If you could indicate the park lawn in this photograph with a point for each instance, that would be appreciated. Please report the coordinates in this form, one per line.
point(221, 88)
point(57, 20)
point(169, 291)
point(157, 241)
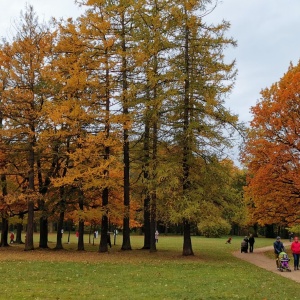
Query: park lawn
point(213, 273)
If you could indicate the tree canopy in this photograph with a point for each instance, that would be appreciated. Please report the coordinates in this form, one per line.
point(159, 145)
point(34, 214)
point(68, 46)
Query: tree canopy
point(117, 112)
point(272, 151)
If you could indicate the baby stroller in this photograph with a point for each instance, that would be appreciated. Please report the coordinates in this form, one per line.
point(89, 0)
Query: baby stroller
point(244, 246)
point(283, 262)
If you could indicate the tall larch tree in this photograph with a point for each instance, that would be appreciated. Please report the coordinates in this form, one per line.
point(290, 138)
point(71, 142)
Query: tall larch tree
point(4, 77)
point(118, 16)
point(152, 21)
point(96, 24)
point(202, 80)
point(121, 19)
point(84, 73)
point(70, 122)
point(23, 102)
point(123, 31)
point(75, 124)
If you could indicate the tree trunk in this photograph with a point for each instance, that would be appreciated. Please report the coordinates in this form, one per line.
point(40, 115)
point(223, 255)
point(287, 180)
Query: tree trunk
point(4, 233)
point(154, 167)
point(19, 232)
point(126, 245)
point(187, 242)
point(59, 231)
point(153, 227)
point(80, 246)
point(146, 158)
point(43, 232)
point(80, 237)
point(104, 224)
point(147, 235)
point(29, 245)
point(69, 230)
point(43, 190)
point(90, 235)
point(104, 235)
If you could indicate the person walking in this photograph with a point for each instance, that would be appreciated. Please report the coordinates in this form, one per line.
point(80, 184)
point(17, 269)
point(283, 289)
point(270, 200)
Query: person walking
point(278, 247)
point(156, 236)
point(12, 237)
point(251, 243)
point(295, 247)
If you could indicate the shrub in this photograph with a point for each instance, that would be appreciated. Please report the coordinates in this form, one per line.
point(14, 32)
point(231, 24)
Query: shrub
point(214, 228)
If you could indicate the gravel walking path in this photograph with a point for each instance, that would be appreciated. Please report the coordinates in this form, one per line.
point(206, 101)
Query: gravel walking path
point(259, 259)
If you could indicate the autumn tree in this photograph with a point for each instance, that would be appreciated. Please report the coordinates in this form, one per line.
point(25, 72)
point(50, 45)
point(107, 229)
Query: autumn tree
point(4, 75)
point(68, 81)
point(96, 24)
point(198, 117)
point(87, 66)
point(148, 75)
point(222, 206)
point(118, 17)
point(22, 103)
point(152, 21)
point(122, 24)
point(271, 153)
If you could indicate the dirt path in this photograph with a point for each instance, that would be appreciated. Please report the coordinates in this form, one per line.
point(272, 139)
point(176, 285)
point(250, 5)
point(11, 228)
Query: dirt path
point(259, 259)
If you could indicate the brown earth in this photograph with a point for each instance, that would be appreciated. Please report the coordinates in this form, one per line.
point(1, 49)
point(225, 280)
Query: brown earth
point(259, 259)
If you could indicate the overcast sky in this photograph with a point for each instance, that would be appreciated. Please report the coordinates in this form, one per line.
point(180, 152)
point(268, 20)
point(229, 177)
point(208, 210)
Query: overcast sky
point(267, 32)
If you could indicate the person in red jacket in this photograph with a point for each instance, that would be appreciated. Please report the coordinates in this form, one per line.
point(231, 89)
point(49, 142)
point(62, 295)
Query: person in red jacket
point(12, 237)
point(295, 247)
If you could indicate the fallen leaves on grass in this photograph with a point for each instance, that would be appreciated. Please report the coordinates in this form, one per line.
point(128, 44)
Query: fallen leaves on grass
point(115, 256)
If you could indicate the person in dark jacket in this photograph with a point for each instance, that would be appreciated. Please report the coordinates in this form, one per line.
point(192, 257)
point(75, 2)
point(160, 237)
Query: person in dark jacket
point(278, 247)
point(251, 243)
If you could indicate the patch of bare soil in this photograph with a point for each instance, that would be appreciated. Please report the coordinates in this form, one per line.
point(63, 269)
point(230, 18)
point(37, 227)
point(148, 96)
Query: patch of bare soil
point(259, 259)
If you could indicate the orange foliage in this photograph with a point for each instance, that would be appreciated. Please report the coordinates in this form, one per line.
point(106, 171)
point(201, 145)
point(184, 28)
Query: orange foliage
point(272, 153)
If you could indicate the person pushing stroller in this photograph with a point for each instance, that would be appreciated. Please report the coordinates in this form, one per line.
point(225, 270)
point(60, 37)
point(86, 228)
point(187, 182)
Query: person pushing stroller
point(278, 248)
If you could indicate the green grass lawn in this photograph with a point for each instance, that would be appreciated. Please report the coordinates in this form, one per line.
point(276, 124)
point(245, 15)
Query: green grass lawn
point(213, 273)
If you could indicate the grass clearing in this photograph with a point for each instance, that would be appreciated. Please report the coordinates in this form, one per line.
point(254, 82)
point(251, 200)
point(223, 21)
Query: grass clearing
point(213, 273)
